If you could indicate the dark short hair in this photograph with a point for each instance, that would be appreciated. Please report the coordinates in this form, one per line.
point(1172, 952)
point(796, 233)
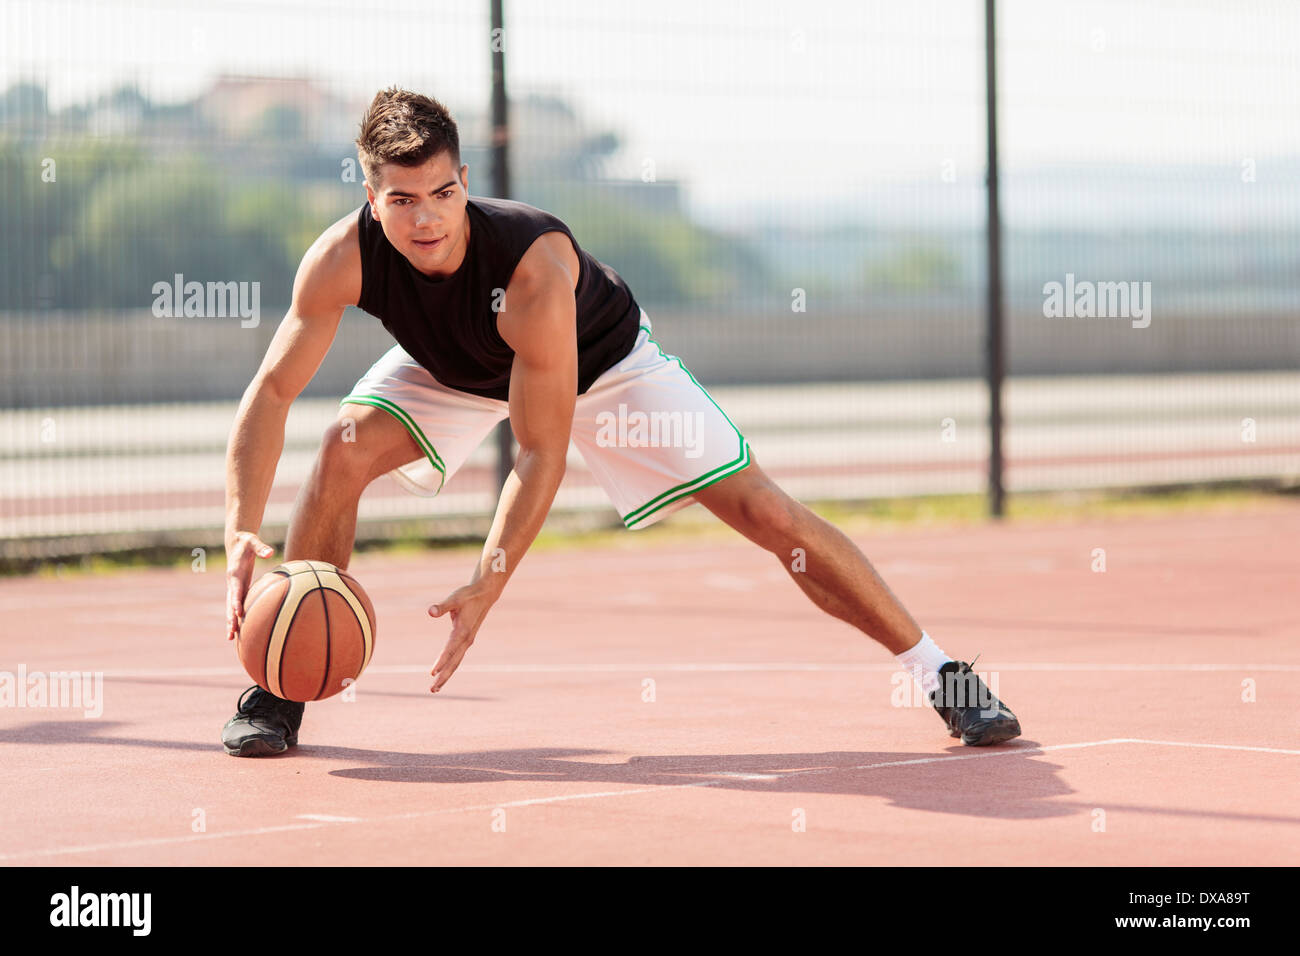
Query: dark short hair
point(405, 128)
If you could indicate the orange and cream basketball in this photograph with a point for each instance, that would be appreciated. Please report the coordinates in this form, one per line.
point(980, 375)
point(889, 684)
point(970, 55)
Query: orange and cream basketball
point(308, 627)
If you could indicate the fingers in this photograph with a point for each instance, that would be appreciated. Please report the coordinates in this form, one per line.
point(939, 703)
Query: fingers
point(241, 556)
point(466, 608)
point(454, 643)
point(234, 606)
point(447, 664)
point(236, 588)
point(457, 644)
point(450, 603)
point(260, 547)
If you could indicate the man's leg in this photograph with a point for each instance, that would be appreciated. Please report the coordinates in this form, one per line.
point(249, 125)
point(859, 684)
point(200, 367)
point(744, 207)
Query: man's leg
point(362, 444)
point(649, 480)
point(828, 566)
point(840, 580)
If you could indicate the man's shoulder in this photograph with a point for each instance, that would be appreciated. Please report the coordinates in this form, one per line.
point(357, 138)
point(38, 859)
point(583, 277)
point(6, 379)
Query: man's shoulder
point(332, 265)
point(535, 240)
point(549, 257)
point(339, 243)
point(507, 212)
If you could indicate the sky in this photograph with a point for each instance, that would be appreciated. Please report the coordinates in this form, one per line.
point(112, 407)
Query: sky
point(756, 102)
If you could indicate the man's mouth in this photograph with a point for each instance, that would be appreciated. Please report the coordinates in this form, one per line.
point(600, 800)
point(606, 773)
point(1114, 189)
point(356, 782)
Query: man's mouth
point(428, 243)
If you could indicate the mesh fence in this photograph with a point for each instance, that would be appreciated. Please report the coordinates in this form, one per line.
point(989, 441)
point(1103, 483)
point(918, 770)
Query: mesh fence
point(794, 193)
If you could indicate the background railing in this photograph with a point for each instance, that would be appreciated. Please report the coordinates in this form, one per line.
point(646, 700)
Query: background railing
point(794, 194)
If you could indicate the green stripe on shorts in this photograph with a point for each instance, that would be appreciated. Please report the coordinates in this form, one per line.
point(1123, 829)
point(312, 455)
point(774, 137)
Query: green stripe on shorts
point(703, 481)
point(689, 487)
point(401, 415)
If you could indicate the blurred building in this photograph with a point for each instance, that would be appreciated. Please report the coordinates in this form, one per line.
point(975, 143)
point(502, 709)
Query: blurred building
point(241, 107)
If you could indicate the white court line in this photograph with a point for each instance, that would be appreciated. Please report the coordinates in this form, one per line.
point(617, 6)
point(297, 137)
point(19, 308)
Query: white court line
point(322, 821)
point(259, 831)
point(720, 667)
point(735, 775)
point(1179, 743)
point(156, 841)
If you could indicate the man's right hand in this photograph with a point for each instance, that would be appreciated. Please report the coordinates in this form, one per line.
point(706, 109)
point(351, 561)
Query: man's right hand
point(242, 551)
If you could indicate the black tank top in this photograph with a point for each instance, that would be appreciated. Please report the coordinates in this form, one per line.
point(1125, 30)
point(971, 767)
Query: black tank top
point(448, 325)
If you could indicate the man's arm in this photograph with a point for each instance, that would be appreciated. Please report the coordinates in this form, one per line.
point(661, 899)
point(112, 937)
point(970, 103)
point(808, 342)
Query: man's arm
point(539, 321)
point(328, 279)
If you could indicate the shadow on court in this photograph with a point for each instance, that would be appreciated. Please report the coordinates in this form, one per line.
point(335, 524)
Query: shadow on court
point(1013, 781)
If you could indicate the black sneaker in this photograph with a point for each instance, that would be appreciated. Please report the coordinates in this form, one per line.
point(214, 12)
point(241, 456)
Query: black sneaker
point(263, 724)
point(969, 708)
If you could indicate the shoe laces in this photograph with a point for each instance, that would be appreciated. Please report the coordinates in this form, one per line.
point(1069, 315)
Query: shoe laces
point(950, 695)
point(259, 704)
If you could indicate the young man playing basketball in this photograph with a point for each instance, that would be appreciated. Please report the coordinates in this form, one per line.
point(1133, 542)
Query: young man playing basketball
point(498, 313)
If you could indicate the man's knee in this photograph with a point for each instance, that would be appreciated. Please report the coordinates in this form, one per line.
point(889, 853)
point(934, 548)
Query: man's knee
point(341, 456)
point(364, 443)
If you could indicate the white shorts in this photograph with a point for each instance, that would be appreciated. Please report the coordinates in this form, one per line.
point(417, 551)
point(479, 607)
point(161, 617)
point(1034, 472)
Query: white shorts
point(648, 431)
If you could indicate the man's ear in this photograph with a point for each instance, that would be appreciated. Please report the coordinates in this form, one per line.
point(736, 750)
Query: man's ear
point(464, 176)
point(373, 200)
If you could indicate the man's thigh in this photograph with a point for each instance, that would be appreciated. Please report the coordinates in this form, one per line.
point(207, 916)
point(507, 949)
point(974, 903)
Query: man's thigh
point(444, 425)
point(375, 437)
point(652, 436)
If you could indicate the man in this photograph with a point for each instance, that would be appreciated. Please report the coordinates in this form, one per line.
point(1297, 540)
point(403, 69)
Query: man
point(498, 312)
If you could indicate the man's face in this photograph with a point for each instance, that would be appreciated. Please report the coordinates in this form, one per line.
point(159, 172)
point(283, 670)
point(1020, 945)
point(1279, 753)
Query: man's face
point(422, 212)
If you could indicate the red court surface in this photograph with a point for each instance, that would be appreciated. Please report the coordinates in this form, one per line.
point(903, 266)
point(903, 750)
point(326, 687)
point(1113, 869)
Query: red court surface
point(1158, 699)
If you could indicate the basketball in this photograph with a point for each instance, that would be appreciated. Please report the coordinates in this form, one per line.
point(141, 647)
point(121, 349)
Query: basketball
point(308, 627)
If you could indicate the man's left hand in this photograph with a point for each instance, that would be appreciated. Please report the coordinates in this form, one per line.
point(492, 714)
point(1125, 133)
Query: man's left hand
point(468, 607)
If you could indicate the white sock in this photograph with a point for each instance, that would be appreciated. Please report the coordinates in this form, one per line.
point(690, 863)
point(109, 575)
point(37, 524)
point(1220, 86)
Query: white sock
point(923, 662)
